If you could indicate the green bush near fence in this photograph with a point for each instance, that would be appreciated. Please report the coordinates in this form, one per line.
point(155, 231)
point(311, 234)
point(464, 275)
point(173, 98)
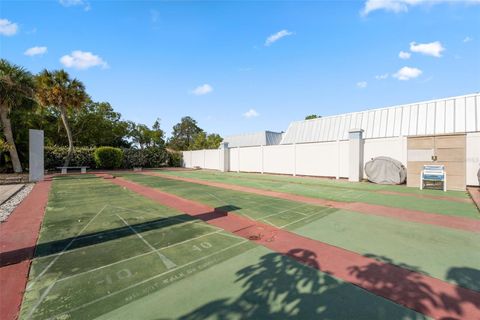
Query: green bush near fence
point(152, 157)
point(175, 159)
point(108, 157)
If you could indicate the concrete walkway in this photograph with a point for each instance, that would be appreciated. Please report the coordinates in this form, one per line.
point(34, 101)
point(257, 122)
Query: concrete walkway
point(6, 191)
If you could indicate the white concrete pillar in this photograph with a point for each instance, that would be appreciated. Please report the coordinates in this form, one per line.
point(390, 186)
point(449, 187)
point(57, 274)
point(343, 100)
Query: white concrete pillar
point(224, 157)
point(355, 172)
point(36, 169)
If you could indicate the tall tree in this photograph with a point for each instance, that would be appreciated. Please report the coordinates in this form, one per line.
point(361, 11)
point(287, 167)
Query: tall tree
point(16, 90)
point(144, 137)
point(204, 141)
point(183, 134)
point(57, 89)
point(312, 116)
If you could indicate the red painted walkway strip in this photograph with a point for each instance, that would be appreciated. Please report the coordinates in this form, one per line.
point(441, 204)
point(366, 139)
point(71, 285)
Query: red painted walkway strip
point(430, 296)
point(460, 223)
point(18, 237)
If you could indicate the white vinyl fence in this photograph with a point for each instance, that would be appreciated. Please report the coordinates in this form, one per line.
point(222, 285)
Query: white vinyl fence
point(324, 159)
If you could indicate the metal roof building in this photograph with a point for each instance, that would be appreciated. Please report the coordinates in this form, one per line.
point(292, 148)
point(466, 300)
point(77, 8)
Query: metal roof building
point(460, 114)
point(261, 138)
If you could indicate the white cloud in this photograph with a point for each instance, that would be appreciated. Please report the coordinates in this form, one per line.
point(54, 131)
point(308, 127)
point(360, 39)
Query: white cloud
point(35, 51)
point(404, 55)
point(277, 36)
point(362, 84)
point(433, 49)
point(252, 113)
point(467, 39)
point(381, 76)
point(407, 73)
point(8, 28)
point(73, 3)
point(398, 6)
point(203, 89)
point(82, 60)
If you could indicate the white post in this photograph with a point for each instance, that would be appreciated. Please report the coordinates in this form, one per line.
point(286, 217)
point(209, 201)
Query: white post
point(36, 169)
point(355, 155)
point(224, 157)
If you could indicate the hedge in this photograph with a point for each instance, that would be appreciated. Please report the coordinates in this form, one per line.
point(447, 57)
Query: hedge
point(55, 156)
point(108, 157)
point(152, 157)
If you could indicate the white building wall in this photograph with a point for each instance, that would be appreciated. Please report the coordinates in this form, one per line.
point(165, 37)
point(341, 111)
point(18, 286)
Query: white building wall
point(442, 116)
point(395, 148)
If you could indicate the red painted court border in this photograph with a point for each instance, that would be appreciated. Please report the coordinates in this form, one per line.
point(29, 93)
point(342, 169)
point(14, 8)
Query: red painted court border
point(427, 295)
point(18, 237)
point(460, 223)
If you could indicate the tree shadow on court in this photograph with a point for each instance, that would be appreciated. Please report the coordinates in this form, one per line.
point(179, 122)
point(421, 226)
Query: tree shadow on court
point(463, 277)
point(94, 238)
point(278, 287)
point(406, 286)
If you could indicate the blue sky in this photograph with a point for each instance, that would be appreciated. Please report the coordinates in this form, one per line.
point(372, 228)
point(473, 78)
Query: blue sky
point(242, 66)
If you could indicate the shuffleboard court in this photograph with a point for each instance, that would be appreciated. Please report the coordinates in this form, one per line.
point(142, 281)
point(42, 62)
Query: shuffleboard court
point(348, 192)
point(418, 247)
point(105, 252)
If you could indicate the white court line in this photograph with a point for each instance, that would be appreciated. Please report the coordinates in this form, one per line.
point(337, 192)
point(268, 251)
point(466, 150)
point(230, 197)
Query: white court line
point(106, 232)
point(44, 294)
point(313, 215)
point(166, 217)
point(137, 256)
point(227, 204)
point(167, 262)
point(283, 211)
point(30, 285)
point(147, 280)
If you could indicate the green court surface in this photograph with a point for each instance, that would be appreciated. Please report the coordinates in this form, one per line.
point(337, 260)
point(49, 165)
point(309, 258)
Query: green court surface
point(106, 252)
point(345, 191)
point(432, 250)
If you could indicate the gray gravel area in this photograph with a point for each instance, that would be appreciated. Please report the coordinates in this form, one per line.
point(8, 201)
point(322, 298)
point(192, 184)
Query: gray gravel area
point(8, 206)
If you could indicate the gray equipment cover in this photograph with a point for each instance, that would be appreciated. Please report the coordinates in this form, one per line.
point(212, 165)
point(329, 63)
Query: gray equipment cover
point(385, 170)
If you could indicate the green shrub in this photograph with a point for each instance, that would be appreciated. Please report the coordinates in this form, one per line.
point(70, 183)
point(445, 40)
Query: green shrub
point(175, 159)
point(54, 156)
point(152, 157)
point(108, 157)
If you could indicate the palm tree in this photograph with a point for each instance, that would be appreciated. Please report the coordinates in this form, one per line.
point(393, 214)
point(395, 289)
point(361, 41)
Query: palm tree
point(57, 89)
point(16, 88)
